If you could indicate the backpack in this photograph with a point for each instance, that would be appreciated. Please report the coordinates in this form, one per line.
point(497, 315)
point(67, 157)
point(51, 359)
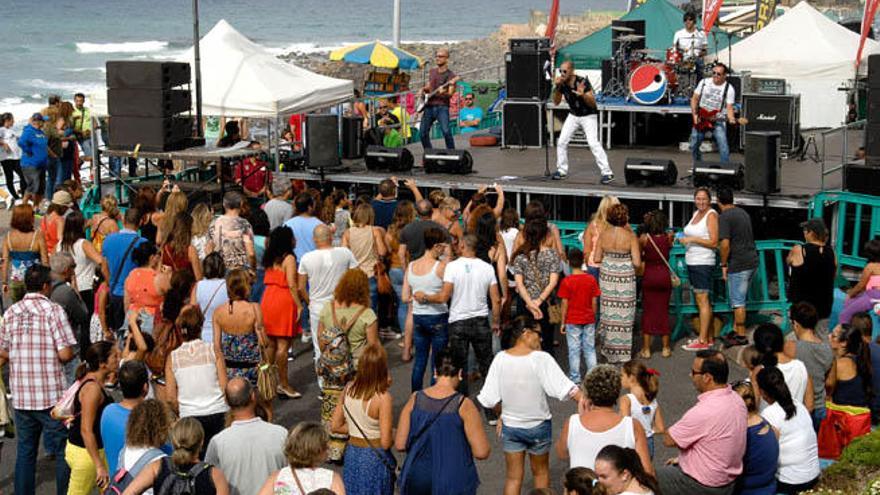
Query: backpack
point(122, 478)
point(335, 365)
point(179, 483)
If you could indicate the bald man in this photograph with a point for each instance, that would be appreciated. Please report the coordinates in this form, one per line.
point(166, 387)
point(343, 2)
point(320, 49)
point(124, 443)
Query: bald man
point(578, 94)
point(442, 80)
point(319, 272)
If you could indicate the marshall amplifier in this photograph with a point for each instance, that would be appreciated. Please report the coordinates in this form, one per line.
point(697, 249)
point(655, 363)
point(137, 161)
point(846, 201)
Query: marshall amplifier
point(768, 113)
point(768, 86)
point(529, 45)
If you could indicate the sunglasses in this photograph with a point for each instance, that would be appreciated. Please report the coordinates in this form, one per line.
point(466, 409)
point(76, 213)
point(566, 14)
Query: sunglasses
point(441, 56)
point(717, 73)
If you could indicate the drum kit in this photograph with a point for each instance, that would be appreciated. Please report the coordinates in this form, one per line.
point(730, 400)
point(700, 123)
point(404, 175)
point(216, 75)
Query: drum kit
point(638, 76)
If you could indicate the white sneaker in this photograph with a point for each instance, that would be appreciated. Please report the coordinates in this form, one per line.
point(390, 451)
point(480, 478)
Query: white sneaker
point(306, 338)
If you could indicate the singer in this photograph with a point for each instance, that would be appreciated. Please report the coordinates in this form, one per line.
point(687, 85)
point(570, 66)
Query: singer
point(581, 101)
point(438, 92)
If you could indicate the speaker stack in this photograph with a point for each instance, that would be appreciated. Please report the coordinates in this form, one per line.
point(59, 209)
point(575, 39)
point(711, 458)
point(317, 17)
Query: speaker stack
point(322, 141)
point(768, 113)
point(146, 104)
point(528, 78)
point(872, 129)
point(763, 167)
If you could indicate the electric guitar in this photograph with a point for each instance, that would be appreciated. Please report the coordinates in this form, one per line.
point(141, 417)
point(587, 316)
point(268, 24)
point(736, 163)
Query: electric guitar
point(428, 96)
point(706, 120)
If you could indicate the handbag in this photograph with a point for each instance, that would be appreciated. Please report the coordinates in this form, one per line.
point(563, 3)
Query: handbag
point(674, 279)
point(842, 425)
point(267, 373)
point(63, 409)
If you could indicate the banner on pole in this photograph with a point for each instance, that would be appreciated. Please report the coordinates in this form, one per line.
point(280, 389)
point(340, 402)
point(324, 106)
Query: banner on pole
point(764, 12)
point(710, 13)
point(867, 20)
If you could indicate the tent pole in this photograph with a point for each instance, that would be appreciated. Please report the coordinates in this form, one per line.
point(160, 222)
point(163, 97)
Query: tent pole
point(395, 24)
point(198, 68)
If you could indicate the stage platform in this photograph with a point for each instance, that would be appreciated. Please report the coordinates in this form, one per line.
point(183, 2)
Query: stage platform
point(522, 171)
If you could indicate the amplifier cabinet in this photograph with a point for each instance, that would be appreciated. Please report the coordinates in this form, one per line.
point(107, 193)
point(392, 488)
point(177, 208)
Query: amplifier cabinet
point(768, 113)
point(523, 124)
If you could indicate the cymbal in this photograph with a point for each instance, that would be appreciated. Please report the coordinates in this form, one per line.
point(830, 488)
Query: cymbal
point(647, 50)
point(630, 37)
point(622, 29)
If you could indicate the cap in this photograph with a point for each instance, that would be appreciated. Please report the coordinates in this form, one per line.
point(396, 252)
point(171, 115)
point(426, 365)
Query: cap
point(62, 198)
point(816, 226)
point(39, 116)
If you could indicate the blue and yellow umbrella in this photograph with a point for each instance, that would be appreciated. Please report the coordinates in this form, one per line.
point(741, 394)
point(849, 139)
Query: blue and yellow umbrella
point(378, 55)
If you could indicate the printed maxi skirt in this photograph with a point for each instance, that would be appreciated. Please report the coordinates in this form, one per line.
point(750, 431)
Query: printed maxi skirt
point(617, 281)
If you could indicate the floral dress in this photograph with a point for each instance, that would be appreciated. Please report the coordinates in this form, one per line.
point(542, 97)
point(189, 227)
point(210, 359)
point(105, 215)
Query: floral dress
point(242, 355)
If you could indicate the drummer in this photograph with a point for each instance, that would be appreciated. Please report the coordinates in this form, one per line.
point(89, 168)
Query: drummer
point(691, 42)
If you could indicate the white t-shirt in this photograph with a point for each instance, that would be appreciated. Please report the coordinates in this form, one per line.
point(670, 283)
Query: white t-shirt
point(796, 376)
point(798, 448)
point(691, 44)
point(130, 458)
point(471, 279)
point(325, 267)
point(711, 96)
point(10, 137)
point(522, 384)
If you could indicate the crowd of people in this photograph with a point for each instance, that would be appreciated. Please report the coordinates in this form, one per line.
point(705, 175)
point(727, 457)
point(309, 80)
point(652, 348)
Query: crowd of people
point(191, 316)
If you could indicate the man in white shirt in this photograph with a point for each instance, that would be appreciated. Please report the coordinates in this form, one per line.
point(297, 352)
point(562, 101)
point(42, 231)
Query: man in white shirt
point(713, 94)
point(319, 272)
point(469, 284)
point(690, 41)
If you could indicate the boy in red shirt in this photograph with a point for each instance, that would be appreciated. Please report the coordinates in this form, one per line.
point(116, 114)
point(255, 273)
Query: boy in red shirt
point(580, 299)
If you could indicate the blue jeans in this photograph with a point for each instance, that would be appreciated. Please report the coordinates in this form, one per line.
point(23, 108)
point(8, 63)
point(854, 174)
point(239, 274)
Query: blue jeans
point(439, 113)
point(65, 171)
point(738, 287)
point(580, 338)
point(29, 425)
point(720, 133)
point(396, 275)
point(430, 333)
point(54, 170)
point(817, 416)
point(374, 295)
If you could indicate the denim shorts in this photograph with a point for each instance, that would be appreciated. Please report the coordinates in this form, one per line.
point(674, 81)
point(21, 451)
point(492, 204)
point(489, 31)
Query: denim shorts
point(700, 277)
point(738, 287)
point(535, 441)
point(34, 178)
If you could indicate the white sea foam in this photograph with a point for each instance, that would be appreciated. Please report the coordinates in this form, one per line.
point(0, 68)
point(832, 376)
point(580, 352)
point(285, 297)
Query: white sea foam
point(86, 69)
point(125, 47)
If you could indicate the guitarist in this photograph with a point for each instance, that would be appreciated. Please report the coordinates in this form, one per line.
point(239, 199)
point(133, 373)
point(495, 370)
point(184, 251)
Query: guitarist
point(437, 108)
point(712, 109)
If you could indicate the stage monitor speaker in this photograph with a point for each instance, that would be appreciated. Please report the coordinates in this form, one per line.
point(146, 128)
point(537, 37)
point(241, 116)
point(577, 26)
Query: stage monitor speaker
point(763, 167)
point(382, 159)
point(774, 113)
point(147, 75)
point(148, 102)
point(716, 175)
point(529, 45)
point(527, 75)
point(860, 178)
point(151, 133)
point(352, 137)
point(872, 143)
point(522, 124)
point(874, 71)
point(638, 28)
point(443, 161)
point(322, 141)
point(650, 171)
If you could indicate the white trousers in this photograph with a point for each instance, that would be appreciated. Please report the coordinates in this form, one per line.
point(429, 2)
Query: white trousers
point(590, 125)
point(315, 308)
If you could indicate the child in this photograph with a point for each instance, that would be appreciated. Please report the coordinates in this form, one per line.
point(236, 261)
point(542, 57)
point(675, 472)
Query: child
point(579, 293)
point(582, 481)
point(643, 384)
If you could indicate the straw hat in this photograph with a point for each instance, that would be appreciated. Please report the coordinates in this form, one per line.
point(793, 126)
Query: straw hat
point(62, 198)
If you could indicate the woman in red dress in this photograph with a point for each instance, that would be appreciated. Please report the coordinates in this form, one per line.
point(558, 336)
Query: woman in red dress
point(281, 304)
point(656, 284)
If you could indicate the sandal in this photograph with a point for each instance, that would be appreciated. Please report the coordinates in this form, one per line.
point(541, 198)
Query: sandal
point(667, 352)
point(645, 354)
point(286, 394)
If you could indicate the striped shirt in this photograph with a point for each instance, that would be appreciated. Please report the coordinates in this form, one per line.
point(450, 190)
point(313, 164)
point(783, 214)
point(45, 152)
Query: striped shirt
point(32, 332)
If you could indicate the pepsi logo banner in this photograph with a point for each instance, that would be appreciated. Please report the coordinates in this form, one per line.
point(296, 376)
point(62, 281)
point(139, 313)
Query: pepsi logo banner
point(647, 84)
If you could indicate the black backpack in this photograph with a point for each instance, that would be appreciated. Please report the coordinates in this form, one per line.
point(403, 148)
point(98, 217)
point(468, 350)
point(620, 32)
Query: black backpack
point(181, 483)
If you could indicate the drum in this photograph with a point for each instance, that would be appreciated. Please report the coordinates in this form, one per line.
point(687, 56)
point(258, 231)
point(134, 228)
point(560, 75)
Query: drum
point(649, 83)
point(673, 56)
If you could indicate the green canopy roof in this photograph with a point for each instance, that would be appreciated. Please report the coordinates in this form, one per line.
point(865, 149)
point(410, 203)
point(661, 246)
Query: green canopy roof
point(662, 20)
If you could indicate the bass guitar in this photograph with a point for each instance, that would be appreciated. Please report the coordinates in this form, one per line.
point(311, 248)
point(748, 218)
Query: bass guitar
point(424, 101)
point(706, 120)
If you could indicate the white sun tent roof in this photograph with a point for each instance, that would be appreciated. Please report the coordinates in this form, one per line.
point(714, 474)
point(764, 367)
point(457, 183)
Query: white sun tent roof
point(814, 54)
point(242, 79)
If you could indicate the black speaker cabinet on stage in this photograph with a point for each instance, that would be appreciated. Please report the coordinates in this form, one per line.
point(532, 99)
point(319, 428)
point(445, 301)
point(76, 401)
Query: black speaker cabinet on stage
point(152, 133)
point(740, 80)
point(352, 137)
point(716, 174)
point(872, 129)
point(860, 178)
point(147, 75)
point(382, 159)
point(322, 141)
point(874, 71)
point(522, 124)
point(763, 168)
point(650, 171)
point(148, 102)
point(774, 113)
point(872, 144)
point(442, 161)
point(526, 75)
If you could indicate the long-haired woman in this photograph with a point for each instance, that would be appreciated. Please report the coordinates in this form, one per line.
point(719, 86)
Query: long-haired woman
point(850, 379)
point(105, 222)
point(85, 255)
point(280, 304)
point(178, 251)
point(656, 284)
point(367, 243)
point(598, 224)
point(535, 267)
point(762, 449)
point(403, 216)
point(23, 247)
point(175, 204)
point(202, 217)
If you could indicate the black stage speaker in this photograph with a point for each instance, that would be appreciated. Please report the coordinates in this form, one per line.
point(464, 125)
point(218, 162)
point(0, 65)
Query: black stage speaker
point(717, 174)
point(322, 140)
point(529, 45)
point(147, 75)
point(522, 124)
point(352, 137)
point(763, 168)
point(441, 161)
point(148, 102)
point(741, 82)
point(526, 75)
point(380, 158)
point(872, 143)
point(650, 171)
point(152, 133)
point(860, 178)
point(774, 113)
point(872, 129)
point(874, 71)
point(638, 28)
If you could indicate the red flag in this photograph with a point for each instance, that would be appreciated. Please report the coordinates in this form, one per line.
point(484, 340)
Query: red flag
point(710, 13)
point(551, 23)
point(867, 20)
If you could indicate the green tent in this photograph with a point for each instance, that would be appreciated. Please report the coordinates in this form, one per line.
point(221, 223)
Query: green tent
point(662, 20)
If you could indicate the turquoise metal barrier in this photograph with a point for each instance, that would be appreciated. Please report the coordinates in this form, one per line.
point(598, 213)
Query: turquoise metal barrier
point(853, 219)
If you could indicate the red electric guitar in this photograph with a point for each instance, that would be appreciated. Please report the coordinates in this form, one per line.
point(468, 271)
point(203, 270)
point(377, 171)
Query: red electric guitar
point(706, 120)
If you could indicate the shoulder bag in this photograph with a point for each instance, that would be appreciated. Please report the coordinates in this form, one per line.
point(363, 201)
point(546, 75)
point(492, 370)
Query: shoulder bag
point(673, 278)
point(392, 467)
point(267, 371)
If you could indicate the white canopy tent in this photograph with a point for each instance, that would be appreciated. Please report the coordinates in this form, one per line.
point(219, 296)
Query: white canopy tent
point(812, 53)
point(242, 79)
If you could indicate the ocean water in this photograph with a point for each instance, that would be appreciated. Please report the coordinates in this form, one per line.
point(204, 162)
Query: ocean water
point(60, 46)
